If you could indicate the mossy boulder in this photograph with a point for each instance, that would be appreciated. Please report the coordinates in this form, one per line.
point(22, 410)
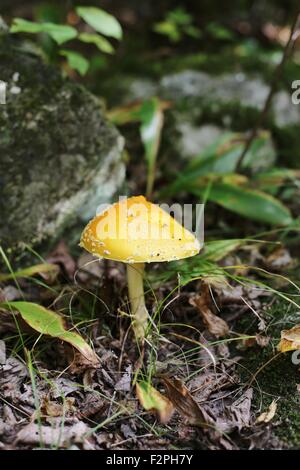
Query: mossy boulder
point(229, 101)
point(59, 156)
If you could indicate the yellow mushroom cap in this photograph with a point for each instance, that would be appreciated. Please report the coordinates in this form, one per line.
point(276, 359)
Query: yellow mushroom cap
point(135, 230)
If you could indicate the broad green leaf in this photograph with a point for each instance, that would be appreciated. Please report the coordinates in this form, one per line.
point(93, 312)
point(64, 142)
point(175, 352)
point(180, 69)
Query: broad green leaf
point(101, 21)
point(152, 400)
point(59, 33)
point(180, 16)
point(216, 250)
point(220, 32)
point(103, 44)
point(203, 265)
point(168, 29)
point(24, 26)
point(271, 180)
point(252, 204)
point(49, 323)
point(152, 118)
point(45, 268)
point(219, 158)
point(125, 114)
point(76, 61)
point(187, 270)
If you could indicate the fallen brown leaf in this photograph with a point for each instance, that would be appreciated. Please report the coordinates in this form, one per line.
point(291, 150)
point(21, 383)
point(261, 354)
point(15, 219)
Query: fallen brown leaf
point(61, 256)
point(279, 260)
point(152, 400)
point(269, 414)
point(54, 409)
point(240, 410)
point(183, 401)
point(290, 339)
point(216, 325)
point(56, 434)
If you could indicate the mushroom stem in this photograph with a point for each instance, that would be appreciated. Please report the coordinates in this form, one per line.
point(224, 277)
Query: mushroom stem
point(139, 311)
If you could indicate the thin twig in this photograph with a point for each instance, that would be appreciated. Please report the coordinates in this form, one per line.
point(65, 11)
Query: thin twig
point(294, 34)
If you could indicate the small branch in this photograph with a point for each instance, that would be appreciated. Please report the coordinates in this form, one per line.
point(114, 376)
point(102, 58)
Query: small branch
point(294, 34)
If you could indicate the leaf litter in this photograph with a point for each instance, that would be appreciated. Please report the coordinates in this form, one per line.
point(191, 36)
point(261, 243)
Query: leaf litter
point(196, 391)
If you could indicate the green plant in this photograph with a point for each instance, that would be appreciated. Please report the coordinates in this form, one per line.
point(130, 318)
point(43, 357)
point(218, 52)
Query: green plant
point(100, 25)
point(177, 24)
point(212, 175)
point(150, 116)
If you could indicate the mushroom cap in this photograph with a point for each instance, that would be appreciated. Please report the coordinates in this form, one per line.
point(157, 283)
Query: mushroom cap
point(135, 230)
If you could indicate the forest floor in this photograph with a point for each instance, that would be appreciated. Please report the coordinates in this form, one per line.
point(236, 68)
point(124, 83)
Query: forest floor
point(212, 352)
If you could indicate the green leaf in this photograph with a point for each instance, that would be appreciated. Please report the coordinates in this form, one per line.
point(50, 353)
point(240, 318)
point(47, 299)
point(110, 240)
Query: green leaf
point(218, 158)
point(252, 204)
point(45, 268)
point(101, 21)
point(216, 250)
point(59, 33)
point(125, 114)
point(152, 400)
point(152, 118)
point(218, 31)
point(49, 323)
point(168, 29)
point(180, 16)
point(272, 180)
point(103, 44)
point(23, 26)
point(76, 61)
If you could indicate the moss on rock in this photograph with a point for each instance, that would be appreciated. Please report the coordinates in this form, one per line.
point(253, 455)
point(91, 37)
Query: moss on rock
point(59, 156)
point(277, 379)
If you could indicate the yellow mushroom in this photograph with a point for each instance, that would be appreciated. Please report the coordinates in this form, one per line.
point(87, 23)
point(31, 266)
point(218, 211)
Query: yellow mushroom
point(136, 231)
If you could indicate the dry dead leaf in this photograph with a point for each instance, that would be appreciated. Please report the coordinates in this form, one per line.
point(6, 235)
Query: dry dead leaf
point(269, 414)
point(56, 434)
point(261, 340)
point(54, 409)
point(183, 401)
point(13, 373)
point(279, 260)
point(152, 400)
point(93, 405)
point(2, 352)
point(81, 364)
point(240, 410)
point(290, 339)
point(216, 325)
point(124, 384)
point(61, 256)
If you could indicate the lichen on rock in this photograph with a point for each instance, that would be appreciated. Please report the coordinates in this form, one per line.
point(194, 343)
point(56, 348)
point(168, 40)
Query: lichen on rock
point(59, 156)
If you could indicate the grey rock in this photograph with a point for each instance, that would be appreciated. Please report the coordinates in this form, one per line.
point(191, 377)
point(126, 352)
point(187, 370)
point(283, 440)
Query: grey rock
point(226, 88)
point(203, 106)
point(192, 140)
point(286, 113)
point(59, 156)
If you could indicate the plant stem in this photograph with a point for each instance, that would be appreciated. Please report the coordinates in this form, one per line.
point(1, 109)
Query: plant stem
point(288, 49)
point(137, 298)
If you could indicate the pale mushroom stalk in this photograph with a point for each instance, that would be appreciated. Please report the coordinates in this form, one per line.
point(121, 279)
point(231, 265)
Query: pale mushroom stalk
point(135, 273)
